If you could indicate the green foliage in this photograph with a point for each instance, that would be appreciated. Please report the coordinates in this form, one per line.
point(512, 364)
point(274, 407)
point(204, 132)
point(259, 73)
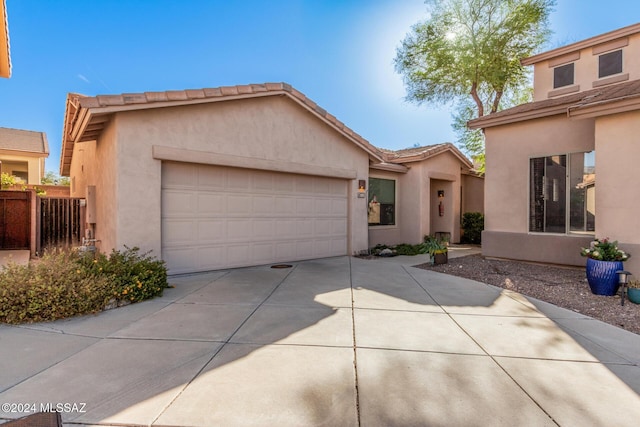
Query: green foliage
point(605, 250)
point(7, 180)
point(52, 178)
point(55, 287)
point(472, 225)
point(63, 284)
point(435, 246)
point(134, 276)
point(468, 53)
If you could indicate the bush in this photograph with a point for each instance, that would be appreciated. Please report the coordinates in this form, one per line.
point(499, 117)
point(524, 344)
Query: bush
point(472, 226)
point(64, 284)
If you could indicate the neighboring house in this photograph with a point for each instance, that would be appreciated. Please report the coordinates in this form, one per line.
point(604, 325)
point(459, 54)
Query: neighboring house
point(5, 58)
point(246, 175)
point(23, 153)
point(543, 201)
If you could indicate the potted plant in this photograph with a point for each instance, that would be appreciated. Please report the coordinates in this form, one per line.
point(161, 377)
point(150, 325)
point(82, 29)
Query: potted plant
point(633, 291)
point(604, 258)
point(437, 249)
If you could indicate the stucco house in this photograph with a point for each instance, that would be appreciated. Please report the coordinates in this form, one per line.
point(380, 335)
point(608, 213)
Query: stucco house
point(542, 199)
point(23, 154)
point(5, 57)
point(247, 175)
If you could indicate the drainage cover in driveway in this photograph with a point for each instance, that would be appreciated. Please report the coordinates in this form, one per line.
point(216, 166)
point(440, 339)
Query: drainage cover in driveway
point(281, 266)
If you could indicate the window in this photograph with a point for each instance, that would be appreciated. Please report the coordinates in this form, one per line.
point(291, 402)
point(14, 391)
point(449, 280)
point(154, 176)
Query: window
point(382, 201)
point(562, 193)
point(563, 75)
point(610, 63)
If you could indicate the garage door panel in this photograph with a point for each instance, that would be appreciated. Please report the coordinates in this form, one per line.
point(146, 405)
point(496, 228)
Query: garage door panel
point(212, 231)
point(239, 230)
point(178, 203)
point(211, 204)
point(239, 205)
point(180, 175)
point(180, 231)
point(218, 217)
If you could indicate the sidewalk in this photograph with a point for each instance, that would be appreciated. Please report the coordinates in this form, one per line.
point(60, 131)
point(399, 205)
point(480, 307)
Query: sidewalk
point(338, 341)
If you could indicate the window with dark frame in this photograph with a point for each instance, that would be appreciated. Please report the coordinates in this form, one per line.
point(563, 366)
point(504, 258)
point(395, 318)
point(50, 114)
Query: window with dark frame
point(382, 201)
point(610, 63)
point(563, 75)
point(562, 193)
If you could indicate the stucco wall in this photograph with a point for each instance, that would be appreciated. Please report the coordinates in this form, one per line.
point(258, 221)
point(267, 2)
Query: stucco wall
point(417, 201)
point(617, 208)
point(271, 128)
point(508, 150)
point(94, 163)
point(586, 68)
point(472, 194)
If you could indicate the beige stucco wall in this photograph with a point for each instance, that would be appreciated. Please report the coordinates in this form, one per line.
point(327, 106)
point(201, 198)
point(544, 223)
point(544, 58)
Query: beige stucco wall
point(586, 68)
point(94, 163)
point(508, 150)
point(618, 210)
point(472, 194)
point(417, 202)
point(271, 128)
point(32, 165)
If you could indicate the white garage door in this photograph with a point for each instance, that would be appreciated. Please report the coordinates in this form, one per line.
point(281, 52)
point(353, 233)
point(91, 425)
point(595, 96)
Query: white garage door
point(216, 217)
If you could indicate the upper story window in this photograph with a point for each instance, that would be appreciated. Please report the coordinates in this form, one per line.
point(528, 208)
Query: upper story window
point(610, 63)
point(563, 75)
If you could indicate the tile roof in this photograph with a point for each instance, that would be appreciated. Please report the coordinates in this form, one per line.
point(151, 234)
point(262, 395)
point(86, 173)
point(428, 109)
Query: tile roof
point(85, 117)
point(23, 140)
point(421, 153)
point(79, 127)
point(560, 105)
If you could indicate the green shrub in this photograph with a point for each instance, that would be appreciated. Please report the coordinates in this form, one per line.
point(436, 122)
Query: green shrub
point(133, 276)
point(64, 284)
point(55, 287)
point(472, 226)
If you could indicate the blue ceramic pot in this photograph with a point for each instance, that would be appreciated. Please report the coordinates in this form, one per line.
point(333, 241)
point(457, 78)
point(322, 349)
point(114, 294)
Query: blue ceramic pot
point(602, 276)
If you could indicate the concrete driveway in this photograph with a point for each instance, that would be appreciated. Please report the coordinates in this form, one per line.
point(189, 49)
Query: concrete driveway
point(339, 341)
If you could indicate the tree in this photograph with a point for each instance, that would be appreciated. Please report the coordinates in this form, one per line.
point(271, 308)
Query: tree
point(52, 178)
point(467, 53)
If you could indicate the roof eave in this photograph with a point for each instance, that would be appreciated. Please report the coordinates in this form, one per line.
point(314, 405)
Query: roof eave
point(489, 121)
point(604, 108)
point(5, 50)
point(593, 41)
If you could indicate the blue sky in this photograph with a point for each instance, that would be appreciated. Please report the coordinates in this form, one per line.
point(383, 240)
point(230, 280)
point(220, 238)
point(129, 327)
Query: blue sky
point(338, 53)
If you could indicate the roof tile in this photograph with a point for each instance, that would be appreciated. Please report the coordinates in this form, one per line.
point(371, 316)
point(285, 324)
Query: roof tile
point(134, 98)
point(212, 92)
point(106, 100)
point(23, 140)
point(156, 96)
point(177, 95)
point(195, 93)
point(245, 89)
point(229, 90)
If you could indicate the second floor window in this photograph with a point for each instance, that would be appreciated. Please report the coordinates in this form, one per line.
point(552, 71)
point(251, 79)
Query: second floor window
point(610, 64)
point(563, 75)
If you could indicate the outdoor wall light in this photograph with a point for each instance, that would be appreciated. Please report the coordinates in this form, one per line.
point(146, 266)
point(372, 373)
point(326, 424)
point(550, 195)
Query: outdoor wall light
point(623, 277)
point(440, 194)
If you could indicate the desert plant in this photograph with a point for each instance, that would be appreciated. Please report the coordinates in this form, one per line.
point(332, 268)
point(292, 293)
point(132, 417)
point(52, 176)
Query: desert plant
point(55, 287)
point(472, 226)
point(64, 284)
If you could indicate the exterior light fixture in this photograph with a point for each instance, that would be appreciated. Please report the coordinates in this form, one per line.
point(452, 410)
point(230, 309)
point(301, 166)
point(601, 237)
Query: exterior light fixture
point(623, 277)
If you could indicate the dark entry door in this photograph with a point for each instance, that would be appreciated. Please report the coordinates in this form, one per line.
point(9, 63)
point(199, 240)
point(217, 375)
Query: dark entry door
point(14, 220)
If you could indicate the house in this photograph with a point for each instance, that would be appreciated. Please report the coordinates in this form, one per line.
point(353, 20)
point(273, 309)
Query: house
point(5, 58)
point(23, 153)
point(542, 199)
point(248, 175)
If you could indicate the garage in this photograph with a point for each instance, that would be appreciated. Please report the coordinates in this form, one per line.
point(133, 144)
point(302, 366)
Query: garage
point(217, 217)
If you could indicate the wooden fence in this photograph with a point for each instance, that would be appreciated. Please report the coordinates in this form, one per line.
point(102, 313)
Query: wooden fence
point(60, 223)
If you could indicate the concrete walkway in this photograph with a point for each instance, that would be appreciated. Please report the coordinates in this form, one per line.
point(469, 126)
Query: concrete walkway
point(333, 342)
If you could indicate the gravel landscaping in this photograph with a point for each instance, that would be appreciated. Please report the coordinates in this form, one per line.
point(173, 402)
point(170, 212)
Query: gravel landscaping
point(565, 287)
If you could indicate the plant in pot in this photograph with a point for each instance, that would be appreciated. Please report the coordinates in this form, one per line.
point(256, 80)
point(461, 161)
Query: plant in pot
point(633, 291)
point(437, 249)
point(604, 258)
